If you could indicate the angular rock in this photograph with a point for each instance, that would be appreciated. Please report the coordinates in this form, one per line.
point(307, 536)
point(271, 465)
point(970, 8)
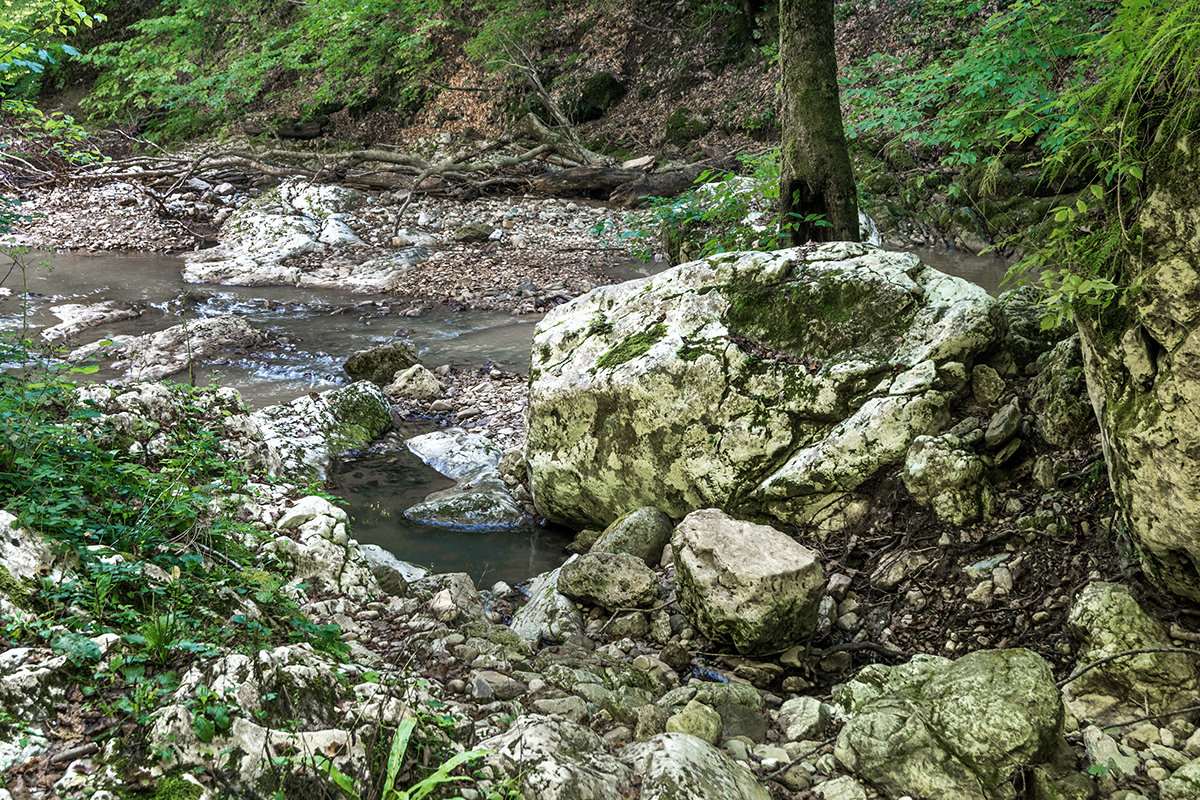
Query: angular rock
point(159, 355)
point(473, 232)
point(643, 533)
point(548, 616)
point(380, 364)
point(320, 552)
point(392, 574)
point(609, 580)
point(25, 559)
point(1004, 425)
point(1184, 783)
point(696, 719)
point(1107, 620)
point(987, 385)
point(1058, 395)
point(1142, 364)
point(843, 788)
point(415, 383)
point(676, 766)
point(763, 384)
point(303, 436)
point(950, 731)
point(745, 583)
point(941, 472)
point(555, 759)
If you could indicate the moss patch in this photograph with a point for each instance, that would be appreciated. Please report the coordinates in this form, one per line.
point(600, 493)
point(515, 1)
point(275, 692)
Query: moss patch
point(633, 346)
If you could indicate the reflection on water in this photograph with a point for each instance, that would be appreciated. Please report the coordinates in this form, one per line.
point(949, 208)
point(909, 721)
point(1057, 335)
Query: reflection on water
point(378, 487)
point(315, 330)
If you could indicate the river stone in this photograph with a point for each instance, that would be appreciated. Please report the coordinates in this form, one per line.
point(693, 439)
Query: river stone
point(1058, 395)
point(941, 472)
point(555, 759)
point(415, 383)
point(843, 788)
point(643, 533)
point(610, 580)
point(549, 616)
point(745, 583)
point(78, 317)
point(759, 383)
point(1142, 363)
point(154, 356)
point(676, 766)
point(392, 574)
point(303, 436)
point(380, 364)
point(951, 731)
point(480, 500)
point(1106, 619)
point(1184, 783)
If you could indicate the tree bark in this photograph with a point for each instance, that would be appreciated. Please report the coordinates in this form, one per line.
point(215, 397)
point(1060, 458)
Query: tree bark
point(815, 174)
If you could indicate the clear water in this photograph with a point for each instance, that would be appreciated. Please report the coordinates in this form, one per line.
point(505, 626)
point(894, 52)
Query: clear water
point(316, 331)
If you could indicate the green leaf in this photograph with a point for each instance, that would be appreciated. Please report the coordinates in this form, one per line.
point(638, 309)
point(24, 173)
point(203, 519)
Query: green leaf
point(203, 728)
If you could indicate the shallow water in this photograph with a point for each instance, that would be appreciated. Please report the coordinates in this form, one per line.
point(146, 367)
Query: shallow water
point(319, 329)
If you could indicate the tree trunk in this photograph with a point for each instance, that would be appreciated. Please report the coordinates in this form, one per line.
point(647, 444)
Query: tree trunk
point(815, 175)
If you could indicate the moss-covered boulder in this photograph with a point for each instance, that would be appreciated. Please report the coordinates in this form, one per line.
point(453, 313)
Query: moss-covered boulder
point(380, 364)
point(1107, 620)
point(770, 385)
point(303, 436)
point(950, 730)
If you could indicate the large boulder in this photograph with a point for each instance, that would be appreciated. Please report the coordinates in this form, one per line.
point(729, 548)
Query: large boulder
point(158, 355)
point(745, 583)
point(303, 436)
point(1108, 620)
point(771, 385)
point(1142, 364)
point(950, 730)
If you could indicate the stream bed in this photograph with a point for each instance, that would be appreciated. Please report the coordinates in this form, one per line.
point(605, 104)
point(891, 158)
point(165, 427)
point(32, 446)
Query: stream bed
point(314, 332)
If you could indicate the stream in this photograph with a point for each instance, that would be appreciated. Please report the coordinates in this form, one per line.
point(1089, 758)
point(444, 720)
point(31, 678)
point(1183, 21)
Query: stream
point(315, 331)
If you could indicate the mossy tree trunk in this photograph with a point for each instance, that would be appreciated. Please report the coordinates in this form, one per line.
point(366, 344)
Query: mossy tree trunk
point(815, 176)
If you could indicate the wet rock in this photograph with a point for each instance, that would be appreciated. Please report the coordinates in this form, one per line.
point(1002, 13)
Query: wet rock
point(481, 499)
point(737, 348)
point(941, 472)
point(643, 533)
point(676, 766)
point(610, 580)
point(379, 365)
point(1059, 395)
point(159, 355)
point(303, 436)
point(555, 759)
point(950, 731)
point(78, 317)
point(392, 574)
point(745, 583)
point(1106, 619)
point(548, 616)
